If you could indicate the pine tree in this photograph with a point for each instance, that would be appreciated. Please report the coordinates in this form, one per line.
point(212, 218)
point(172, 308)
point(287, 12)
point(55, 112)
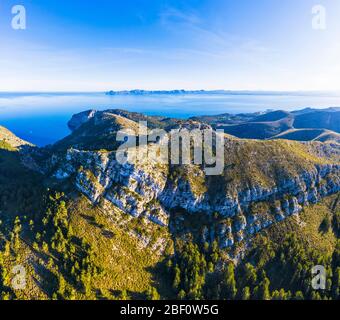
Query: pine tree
point(230, 282)
point(246, 293)
point(152, 294)
point(177, 278)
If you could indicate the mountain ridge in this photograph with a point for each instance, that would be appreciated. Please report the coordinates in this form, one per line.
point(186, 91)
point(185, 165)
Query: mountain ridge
point(128, 218)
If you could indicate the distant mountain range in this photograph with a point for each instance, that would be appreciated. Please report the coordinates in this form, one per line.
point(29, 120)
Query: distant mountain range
point(229, 92)
point(145, 92)
point(302, 125)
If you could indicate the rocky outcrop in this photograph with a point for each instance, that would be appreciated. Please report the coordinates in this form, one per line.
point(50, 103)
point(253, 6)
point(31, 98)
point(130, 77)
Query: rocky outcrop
point(80, 118)
point(133, 189)
point(148, 188)
point(10, 138)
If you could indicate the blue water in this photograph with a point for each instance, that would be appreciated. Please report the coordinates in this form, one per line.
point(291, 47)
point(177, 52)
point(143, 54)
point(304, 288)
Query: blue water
point(41, 118)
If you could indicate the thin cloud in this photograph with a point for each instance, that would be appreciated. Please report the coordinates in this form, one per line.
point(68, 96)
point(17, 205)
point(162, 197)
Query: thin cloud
point(211, 43)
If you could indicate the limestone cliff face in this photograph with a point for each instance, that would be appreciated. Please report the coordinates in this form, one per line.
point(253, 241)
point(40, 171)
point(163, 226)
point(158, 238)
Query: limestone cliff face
point(80, 118)
point(133, 189)
point(150, 189)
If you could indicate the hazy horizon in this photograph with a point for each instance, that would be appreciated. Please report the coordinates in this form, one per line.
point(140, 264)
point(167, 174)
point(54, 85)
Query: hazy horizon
point(221, 91)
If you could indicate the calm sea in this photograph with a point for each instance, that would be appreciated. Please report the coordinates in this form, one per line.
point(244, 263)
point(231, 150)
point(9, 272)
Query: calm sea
point(41, 118)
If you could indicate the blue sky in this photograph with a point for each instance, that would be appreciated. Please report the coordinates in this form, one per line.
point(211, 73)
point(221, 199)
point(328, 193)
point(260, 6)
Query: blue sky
point(74, 45)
